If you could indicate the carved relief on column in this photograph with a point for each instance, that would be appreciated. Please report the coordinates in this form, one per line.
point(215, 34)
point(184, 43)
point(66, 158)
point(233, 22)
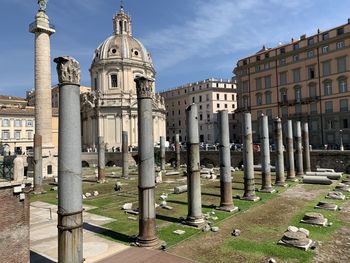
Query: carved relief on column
point(144, 87)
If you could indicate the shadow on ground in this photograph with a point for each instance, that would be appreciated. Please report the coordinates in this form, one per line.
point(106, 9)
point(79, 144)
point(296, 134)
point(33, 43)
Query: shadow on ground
point(37, 258)
point(107, 233)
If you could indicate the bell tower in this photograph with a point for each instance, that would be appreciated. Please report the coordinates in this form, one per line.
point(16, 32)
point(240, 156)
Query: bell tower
point(122, 23)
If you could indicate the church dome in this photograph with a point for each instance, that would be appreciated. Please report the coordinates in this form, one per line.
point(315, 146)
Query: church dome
point(122, 45)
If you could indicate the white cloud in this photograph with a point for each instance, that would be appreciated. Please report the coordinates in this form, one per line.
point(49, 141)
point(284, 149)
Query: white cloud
point(217, 28)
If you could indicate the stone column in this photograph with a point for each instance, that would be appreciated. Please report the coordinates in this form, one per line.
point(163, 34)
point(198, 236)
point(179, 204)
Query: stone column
point(43, 108)
point(280, 179)
point(177, 150)
point(101, 160)
point(70, 205)
point(194, 217)
point(226, 203)
point(38, 165)
point(307, 165)
point(125, 154)
point(265, 155)
point(146, 179)
point(248, 159)
point(290, 152)
point(18, 169)
point(299, 150)
point(162, 153)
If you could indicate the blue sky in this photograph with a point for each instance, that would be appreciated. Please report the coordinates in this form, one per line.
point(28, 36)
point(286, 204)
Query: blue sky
point(189, 40)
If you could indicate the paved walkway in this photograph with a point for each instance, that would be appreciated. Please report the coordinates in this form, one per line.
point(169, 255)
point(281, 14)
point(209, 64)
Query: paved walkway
point(43, 235)
point(143, 255)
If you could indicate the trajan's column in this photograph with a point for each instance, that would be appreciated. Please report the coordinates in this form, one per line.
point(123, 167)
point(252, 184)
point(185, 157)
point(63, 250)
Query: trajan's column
point(43, 109)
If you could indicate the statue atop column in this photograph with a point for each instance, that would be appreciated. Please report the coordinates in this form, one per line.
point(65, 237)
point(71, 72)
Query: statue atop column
point(42, 5)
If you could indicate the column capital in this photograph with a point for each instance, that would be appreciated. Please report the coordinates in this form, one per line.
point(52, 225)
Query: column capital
point(68, 70)
point(144, 87)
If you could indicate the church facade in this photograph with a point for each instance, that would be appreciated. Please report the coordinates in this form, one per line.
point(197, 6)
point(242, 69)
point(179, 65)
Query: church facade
point(111, 106)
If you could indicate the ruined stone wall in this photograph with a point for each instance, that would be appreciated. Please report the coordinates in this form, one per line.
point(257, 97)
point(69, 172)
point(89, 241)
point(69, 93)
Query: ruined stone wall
point(14, 224)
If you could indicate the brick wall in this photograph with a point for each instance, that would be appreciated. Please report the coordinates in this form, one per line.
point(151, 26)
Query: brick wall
point(14, 226)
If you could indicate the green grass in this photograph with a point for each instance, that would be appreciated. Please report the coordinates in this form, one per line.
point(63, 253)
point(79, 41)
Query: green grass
point(109, 203)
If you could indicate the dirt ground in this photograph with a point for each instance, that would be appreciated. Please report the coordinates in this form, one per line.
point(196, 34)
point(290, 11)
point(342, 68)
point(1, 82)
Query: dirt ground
point(337, 249)
point(264, 223)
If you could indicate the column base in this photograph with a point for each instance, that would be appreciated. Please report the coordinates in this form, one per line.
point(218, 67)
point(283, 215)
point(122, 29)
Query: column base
point(228, 208)
point(149, 243)
point(281, 184)
point(195, 222)
point(269, 190)
point(253, 198)
point(147, 236)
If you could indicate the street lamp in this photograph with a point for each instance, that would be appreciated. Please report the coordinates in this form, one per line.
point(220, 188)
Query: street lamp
point(341, 140)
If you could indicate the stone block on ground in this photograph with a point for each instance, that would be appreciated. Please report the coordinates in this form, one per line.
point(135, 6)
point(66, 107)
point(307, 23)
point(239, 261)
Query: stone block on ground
point(314, 219)
point(342, 187)
point(326, 205)
point(180, 189)
point(179, 232)
point(127, 206)
point(295, 239)
point(335, 195)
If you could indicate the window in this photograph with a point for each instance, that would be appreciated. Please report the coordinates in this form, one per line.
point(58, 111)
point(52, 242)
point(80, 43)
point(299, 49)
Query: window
point(330, 124)
point(245, 85)
point(311, 72)
point(258, 83)
point(257, 68)
point(284, 96)
point(282, 61)
point(200, 107)
point(49, 169)
point(244, 62)
point(225, 96)
point(225, 106)
point(267, 82)
point(310, 41)
point(29, 135)
point(297, 93)
point(326, 68)
point(296, 46)
point(329, 106)
point(344, 105)
point(266, 65)
point(296, 75)
point(282, 50)
point(200, 98)
point(18, 123)
point(283, 78)
point(268, 97)
point(342, 83)
point(5, 123)
point(207, 97)
point(114, 81)
point(257, 58)
point(325, 36)
point(325, 49)
point(193, 99)
point(258, 99)
point(200, 117)
point(327, 85)
point(233, 96)
point(345, 123)
point(179, 112)
point(267, 55)
point(313, 108)
point(312, 90)
point(217, 96)
point(295, 58)
point(5, 135)
point(340, 44)
point(310, 54)
point(340, 31)
point(208, 117)
point(179, 122)
point(17, 135)
point(218, 105)
point(341, 64)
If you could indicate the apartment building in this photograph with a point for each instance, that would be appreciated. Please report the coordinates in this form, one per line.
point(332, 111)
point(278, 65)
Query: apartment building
point(211, 95)
point(306, 80)
point(17, 126)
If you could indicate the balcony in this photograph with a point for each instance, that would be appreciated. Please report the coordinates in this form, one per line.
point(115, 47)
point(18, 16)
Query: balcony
point(307, 100)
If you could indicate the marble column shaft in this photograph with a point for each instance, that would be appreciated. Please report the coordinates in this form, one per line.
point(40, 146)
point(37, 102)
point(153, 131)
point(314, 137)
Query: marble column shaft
point(280, 178)
point(248, 159)
point(306, 148)
point(194, 216)
point(146, 178)
point(162, 153)
point(125, 154)
point(290, 152)
point(38, 164)
point(101, 159)
point(299, 150)
point(265, 154)
point(177, 150)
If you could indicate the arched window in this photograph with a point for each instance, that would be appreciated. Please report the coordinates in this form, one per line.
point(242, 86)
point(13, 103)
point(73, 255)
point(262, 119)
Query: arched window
point(114, 81)
point(342, 84)
point(327, 86)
